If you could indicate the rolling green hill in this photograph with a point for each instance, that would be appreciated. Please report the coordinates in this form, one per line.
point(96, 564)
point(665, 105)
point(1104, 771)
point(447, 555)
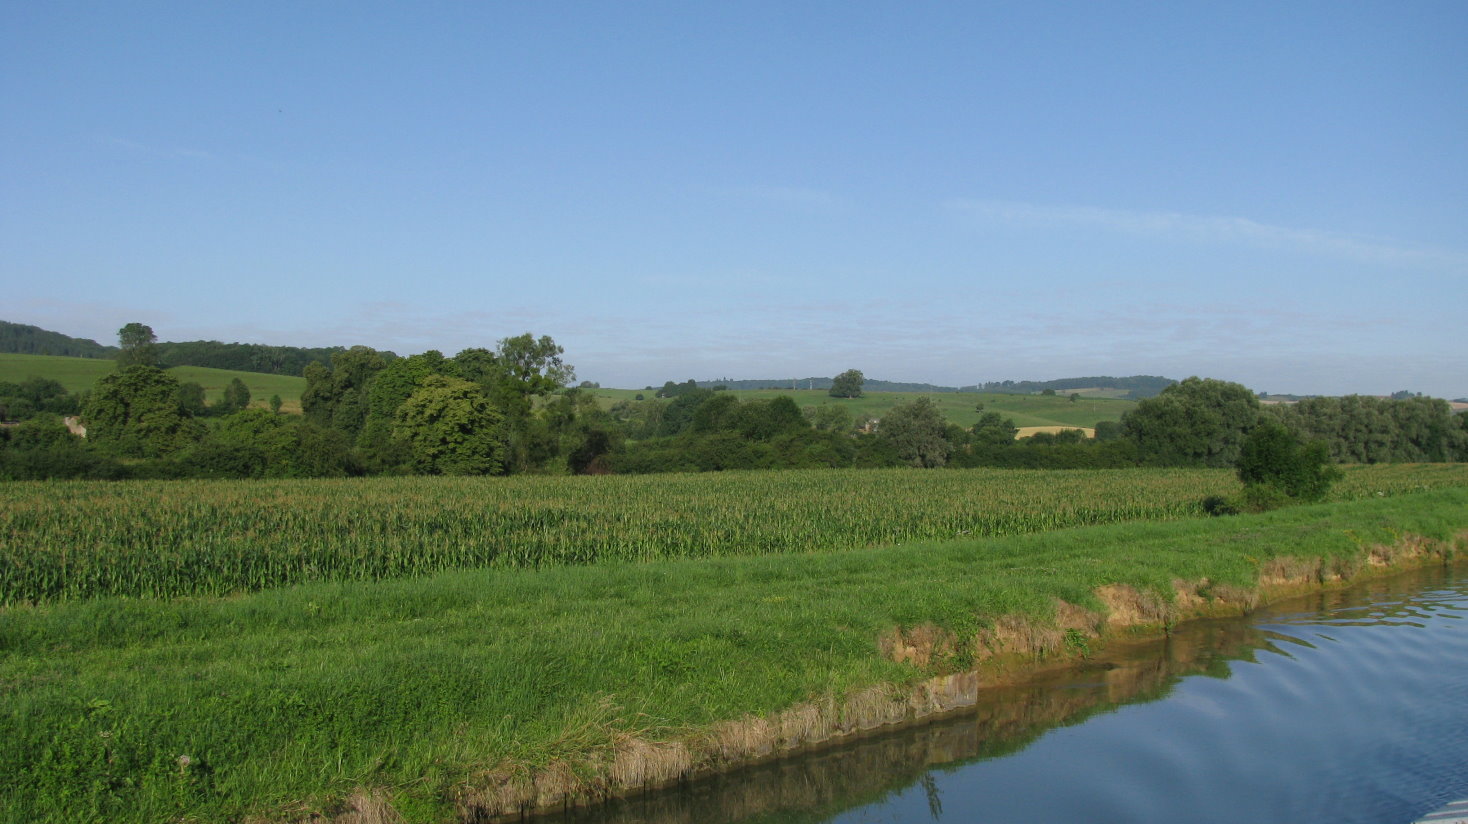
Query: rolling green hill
point(78, 375)
point(957, 407)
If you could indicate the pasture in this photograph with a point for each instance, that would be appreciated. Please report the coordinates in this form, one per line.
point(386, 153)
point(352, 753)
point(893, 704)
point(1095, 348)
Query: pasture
point(79, 374)
point(960, 408)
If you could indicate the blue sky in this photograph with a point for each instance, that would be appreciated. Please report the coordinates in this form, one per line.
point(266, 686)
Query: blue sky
point(1271, 193)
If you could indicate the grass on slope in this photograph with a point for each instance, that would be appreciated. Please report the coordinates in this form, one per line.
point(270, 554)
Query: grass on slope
point(304, 694)
point(957, 407)
point(79, 374)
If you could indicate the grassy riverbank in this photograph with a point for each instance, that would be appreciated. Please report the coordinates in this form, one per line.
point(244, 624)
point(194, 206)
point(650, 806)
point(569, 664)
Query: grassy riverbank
point(460, 688)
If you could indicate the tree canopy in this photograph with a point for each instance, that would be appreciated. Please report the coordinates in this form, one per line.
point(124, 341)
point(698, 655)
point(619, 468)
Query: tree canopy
point(452, 428)
point(1197, 422)
point(847, 384)
point(917, 432)
point(136, 412)
point(137, 346)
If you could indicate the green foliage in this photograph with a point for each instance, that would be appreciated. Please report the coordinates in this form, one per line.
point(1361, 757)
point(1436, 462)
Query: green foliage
point(236, 396)
point(829, 417)
point(190, 399)
point(20, 338)
point(847, 384)
point(994, 430)
point(1359, 429)
point(451, 428)
point(917, 432)
point(243, 357)
point(137, 346)
point(35, 396)
point(135, 413)
point(1198, 422)
point(1273, 457)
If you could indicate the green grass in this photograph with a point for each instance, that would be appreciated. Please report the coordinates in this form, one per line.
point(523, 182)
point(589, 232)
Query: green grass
point(957, 407)
point(79, 374)
point(288, 698)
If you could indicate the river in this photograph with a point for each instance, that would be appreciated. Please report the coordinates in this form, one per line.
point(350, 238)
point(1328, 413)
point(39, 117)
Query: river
point(1349, 706)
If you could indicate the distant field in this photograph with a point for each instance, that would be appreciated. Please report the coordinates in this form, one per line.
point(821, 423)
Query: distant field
point(957, 407)
point(78, 375)
point(1026, 431)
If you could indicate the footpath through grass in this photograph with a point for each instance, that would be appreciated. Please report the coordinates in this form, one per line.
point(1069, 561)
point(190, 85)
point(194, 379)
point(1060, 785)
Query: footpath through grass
point(282, 701)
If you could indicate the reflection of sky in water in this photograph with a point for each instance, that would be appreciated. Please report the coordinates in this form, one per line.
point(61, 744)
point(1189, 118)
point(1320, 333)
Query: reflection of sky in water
point(1348, 707)
point(1355, 713)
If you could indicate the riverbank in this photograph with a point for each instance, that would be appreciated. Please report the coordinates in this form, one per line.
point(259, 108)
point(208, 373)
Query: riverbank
point(474, 693)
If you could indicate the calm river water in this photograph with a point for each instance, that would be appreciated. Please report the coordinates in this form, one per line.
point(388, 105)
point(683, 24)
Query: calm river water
point(1349, 707)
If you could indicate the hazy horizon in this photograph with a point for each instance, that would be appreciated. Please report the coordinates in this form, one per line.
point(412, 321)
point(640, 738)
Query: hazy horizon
point(947, 193)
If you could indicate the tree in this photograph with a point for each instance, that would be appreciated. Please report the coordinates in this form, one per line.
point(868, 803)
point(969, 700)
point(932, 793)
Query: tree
point(138, 346)
point(994, 430)
point(336, 396)
point(236, 395)
point(1198, 422)
point(275, 403)
point(1271, 456)
point(452, 428)
point(135, 413)
point(847, 384)
point(830, 417)
point(534, 366)
point(190, 398)
point(917, 433)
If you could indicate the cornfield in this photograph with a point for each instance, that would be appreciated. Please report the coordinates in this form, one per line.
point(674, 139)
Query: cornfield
point(77, 540)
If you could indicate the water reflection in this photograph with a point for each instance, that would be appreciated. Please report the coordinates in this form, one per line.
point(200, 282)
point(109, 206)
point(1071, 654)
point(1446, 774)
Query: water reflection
point(917, 773)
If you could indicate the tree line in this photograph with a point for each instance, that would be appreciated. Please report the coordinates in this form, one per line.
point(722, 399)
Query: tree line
point(24, 339)
point(513, 409)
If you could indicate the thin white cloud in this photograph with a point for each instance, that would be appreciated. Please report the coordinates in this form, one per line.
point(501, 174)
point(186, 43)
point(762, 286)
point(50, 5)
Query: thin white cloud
point(1203, 229)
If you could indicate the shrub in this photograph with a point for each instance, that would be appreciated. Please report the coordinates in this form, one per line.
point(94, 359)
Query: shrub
point(1276, 466)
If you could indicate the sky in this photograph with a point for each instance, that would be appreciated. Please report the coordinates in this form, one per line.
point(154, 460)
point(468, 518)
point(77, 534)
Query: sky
point(1269, 193)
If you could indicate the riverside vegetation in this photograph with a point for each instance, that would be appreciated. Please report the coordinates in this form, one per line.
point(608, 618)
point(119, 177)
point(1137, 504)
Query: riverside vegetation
point(475, 691)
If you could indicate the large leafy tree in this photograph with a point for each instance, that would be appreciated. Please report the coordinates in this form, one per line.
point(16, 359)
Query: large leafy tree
point(1198, 422)
point(917, 433)
point(336, 396)
point(138, 346)
point(526, 368)
point(452, 428)
point(848, 384)
point(135, 412)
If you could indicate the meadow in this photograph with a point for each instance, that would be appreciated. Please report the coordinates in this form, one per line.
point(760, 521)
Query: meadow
point(959, 408)
point(446, 696)
point(79, 374)
point(73, 540)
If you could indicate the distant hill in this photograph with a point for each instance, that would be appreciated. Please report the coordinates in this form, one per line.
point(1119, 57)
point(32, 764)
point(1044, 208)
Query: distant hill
point(1132, 388)
point(23, 339)
point(244, 357)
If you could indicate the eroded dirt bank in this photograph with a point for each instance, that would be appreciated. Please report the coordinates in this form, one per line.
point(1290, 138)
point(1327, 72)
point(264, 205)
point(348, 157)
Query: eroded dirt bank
point(1010, 650)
